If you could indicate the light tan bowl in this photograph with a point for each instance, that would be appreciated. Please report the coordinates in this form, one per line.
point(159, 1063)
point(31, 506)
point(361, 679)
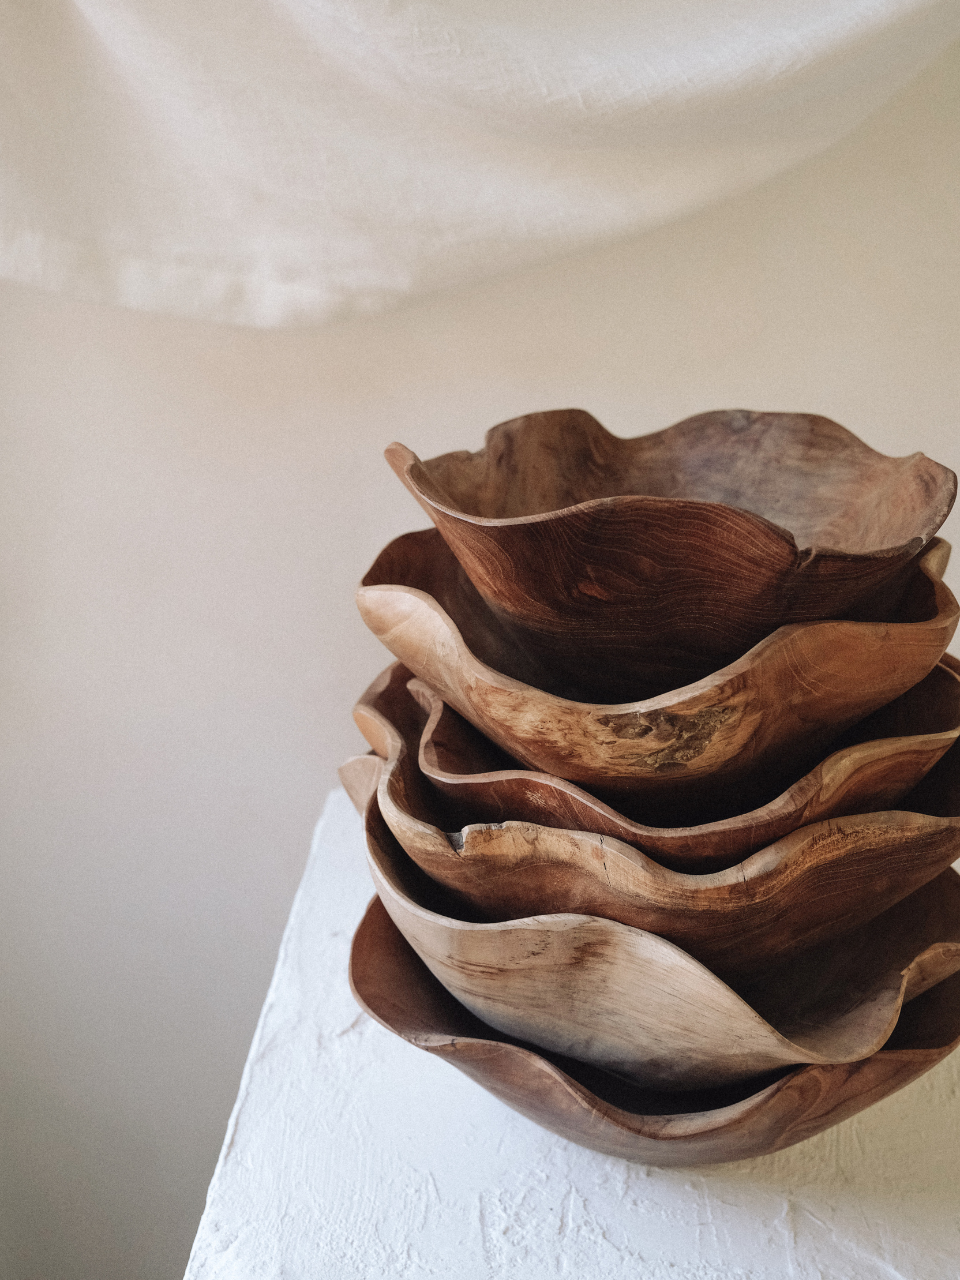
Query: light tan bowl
point(630, 1002)
point(808, 887)
point(763, 720)
point(635, 566)
point(607, 1114)
point(890, 753)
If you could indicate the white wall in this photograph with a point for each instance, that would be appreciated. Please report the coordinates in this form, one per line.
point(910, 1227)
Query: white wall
point(184, 512)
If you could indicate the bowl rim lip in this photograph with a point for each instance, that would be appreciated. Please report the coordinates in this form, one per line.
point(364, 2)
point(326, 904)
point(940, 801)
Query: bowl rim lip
point(556, 921)
point(944, 599)
point(679, 1126)
point(560, 922)
point(689, 879)
point(405, 462)
point(947, 662)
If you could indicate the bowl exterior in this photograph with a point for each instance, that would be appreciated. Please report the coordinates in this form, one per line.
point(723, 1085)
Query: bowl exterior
point(804, 889)
point(631, 1002)
point(771, 713)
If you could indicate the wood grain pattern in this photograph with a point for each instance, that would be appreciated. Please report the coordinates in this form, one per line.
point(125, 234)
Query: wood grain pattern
point(609, 1115)
point(806, 888)
point(630, 1002)
point(760, 722)
point(633, 566)
point(886, 755)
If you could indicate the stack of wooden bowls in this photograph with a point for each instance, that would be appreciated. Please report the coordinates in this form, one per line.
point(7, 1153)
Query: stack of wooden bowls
point(663, 794)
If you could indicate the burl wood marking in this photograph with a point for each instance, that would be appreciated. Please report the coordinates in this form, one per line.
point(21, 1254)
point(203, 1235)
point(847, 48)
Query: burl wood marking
point(885, 756)
point(770, 714)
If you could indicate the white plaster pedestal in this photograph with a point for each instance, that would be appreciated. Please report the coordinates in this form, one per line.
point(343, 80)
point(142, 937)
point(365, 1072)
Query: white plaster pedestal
point(351, 1155)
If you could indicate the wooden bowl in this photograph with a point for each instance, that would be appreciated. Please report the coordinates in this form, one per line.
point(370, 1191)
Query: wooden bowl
point(630, 1002)
point(756, 724)
point(606, 1113)
point(805, 889)
point(885, 756)
point(635, 566)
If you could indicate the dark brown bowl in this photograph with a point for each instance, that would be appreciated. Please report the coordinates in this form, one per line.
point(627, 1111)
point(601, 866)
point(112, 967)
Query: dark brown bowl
point(630, 567)
point(605, 1113)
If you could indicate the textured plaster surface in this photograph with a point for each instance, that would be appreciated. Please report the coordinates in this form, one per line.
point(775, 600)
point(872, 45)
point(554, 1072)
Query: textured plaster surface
point(353, 1156)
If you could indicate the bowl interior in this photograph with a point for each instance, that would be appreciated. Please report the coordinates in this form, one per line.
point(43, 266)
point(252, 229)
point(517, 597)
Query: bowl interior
point(624, 668)
point(802, 472)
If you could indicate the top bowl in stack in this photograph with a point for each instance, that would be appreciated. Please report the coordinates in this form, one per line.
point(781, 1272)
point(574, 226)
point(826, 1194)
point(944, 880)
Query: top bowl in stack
point(630, 567)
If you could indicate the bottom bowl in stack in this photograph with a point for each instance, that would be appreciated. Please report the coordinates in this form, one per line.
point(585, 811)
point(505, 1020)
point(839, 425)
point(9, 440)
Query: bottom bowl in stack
point(605, 1113)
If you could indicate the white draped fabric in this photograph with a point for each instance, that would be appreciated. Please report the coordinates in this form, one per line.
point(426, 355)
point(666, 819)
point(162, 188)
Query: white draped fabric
point(279, 161)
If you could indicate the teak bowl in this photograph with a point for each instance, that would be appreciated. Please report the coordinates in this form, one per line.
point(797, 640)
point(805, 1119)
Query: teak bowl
point(634, 566)
point(630, 1002)
point(756, 724)
point(895, 748)
point(606, 1113)
point(807, 888)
